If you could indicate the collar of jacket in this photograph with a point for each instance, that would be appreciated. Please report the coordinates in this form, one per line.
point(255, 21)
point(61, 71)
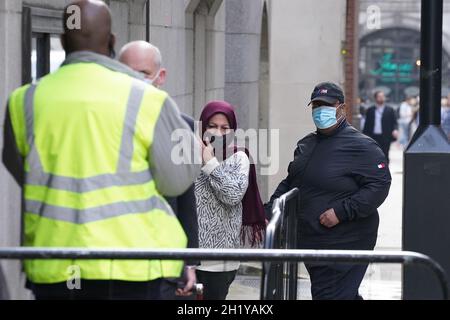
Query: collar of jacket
point(344, 124)
point(91, 57)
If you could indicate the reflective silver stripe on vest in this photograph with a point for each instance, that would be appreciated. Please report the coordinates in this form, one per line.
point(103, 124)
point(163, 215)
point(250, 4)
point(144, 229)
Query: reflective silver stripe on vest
point(126, 147)
point(96, 213)
point(33, 157)
point(88, 184)
point(123, 175)
point(29, 112)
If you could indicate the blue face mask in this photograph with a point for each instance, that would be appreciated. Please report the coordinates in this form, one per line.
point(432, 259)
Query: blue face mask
point(324, 117)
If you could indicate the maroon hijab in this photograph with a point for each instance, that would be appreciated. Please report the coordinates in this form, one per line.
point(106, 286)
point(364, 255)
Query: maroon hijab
point(253, 216)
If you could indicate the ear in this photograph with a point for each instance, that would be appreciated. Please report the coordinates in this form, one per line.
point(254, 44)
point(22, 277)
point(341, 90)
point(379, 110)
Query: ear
point(344, 109)
point(111, 44)
point(112, 40)
point(162, 77)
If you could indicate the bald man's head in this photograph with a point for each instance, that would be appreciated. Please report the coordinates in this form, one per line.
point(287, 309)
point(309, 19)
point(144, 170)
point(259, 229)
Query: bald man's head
point(144, 57)
point(94, 33)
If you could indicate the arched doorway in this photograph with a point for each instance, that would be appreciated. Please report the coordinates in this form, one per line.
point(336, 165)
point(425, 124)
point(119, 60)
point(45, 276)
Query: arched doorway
point(390, 61)
point(201, 13)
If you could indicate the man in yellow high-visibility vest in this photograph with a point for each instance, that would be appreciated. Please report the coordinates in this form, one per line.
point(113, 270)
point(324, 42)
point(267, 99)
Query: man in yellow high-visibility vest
point(92, 148)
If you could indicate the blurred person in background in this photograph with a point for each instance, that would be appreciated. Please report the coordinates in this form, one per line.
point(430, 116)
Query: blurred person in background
point(445, 115)
point(381, 123)
point(405, 117)
point(362, 111)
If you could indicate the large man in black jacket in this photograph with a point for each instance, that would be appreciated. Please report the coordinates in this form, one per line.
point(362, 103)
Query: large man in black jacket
point(343, 178)
point(381, 123)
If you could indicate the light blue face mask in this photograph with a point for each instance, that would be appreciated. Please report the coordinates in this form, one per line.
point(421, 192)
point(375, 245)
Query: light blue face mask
point(324, 117)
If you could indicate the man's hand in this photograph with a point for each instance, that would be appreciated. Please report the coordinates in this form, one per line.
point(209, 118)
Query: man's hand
point(329, 218)
point(191, 279)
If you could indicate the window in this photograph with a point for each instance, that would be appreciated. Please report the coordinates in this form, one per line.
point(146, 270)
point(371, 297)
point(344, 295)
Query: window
point(205, 86)
point(390, 61)
point(47, 54)
point(42, 52)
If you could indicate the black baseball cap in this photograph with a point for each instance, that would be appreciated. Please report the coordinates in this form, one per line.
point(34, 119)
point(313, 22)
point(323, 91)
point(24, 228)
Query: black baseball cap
point(328, 92)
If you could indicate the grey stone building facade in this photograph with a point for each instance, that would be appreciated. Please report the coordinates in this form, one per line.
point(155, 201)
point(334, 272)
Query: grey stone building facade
point(263, 56)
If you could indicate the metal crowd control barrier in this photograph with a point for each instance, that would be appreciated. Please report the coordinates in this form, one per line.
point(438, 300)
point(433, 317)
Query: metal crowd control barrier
point(277, 255)
point(279, 278)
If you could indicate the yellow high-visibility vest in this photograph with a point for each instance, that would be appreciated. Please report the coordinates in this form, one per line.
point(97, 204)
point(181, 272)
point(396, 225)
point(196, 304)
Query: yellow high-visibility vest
point(85, 133)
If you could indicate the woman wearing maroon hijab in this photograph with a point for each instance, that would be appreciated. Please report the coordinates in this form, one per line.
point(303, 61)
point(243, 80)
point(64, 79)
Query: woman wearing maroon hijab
point(229, 208)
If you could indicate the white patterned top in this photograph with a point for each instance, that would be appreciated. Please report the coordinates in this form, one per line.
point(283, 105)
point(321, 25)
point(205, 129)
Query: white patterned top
point(219, 191)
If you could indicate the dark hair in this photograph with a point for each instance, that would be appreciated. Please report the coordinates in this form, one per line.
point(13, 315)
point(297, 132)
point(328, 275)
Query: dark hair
point(375, 95)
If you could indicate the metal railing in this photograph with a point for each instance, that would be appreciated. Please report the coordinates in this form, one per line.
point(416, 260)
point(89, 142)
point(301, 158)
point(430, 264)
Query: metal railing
point(279, 256)
point(279, 278)
point(276, 255)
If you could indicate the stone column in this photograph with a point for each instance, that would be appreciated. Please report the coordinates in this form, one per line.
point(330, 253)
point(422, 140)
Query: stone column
point(242, 51)
point(11, 278)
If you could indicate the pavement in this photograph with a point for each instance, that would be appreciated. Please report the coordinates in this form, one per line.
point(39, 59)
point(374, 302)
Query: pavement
point(381, 282)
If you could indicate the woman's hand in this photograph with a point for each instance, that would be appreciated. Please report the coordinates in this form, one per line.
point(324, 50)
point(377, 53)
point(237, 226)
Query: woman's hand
point(207, 152)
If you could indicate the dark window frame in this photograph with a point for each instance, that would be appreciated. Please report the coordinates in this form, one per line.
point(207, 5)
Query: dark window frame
point(39, 23)
point(401, 39)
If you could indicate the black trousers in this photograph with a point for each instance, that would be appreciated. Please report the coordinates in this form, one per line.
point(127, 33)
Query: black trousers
point(384, 143)
point(215, 284)
point(159, 289)
point(336, 281)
